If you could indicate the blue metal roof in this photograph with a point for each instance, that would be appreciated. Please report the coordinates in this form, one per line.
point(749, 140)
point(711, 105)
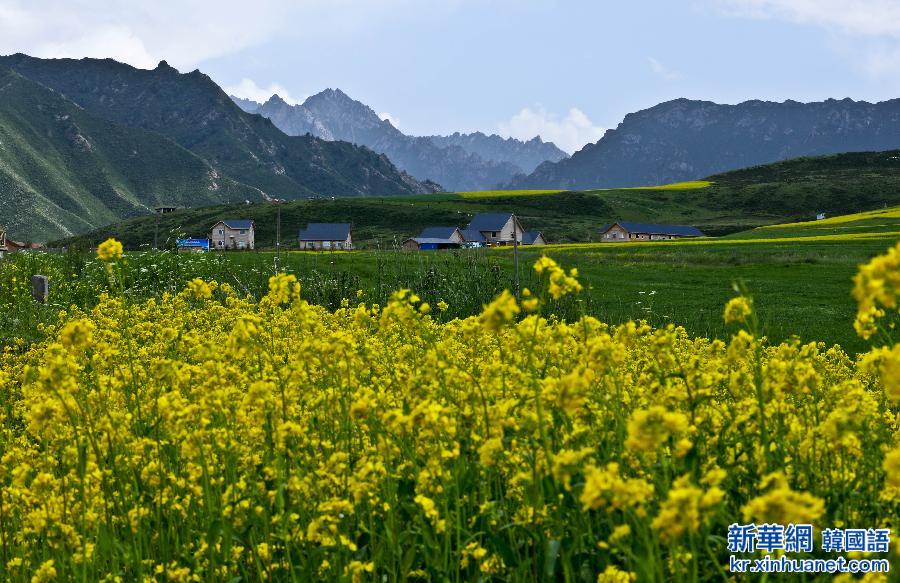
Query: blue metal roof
point(472, 235)
point(325, 232)
point(489, 221)
point(238, 223)
point(433, 240)
point(679, 230)
point(528, 237)
point(437, 232)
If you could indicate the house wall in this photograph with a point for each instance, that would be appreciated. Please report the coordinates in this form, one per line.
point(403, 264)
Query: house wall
point(615, 233)
point(223, 237)
point(505, 235)
point(456, 237)
point(540, 240)
point(345, 245)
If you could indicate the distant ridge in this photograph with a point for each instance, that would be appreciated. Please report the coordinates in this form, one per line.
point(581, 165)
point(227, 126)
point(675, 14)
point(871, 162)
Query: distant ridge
point(684, 139)
point(458, 162)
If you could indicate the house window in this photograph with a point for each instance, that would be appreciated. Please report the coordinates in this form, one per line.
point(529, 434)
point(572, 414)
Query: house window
point(221, 231)
point(243, 231)
point(493, 233)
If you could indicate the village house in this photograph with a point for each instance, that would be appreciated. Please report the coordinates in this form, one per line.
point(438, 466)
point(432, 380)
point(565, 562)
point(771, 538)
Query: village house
point(233, 234)
point(317, 236)
point(494, 229)
point(627, 231)
point(2, 242)
point(435, 238)
point(533, 238)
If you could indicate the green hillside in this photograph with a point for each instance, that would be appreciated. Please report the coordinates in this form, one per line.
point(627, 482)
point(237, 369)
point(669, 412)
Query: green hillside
point(877, 223)
point(727, 203)
point(193, 111)
point(63, 170)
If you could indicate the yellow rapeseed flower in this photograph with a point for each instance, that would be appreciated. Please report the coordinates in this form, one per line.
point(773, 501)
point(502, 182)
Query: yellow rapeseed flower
point(109, 250)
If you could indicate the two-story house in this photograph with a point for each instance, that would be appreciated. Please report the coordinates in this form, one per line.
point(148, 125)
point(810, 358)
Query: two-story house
point(233, 234)
point(494, 229)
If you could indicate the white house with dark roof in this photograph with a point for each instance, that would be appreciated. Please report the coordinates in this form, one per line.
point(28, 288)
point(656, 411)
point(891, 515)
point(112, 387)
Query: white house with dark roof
point(330, 236)
point(494, 229)
point(233, 234)
point(627, 231)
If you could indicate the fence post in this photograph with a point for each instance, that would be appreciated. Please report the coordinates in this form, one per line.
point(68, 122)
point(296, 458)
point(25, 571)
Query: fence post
point(40, 288)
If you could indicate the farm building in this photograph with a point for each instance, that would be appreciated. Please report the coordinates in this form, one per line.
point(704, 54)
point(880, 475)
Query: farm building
point(2, 242)
point(494, 229)
point(452, 234)
point(317, 236)
point(429, 244)
point(233, 234)
point(533, 238)
point(627, 231)
point(192, 245)
point(432, 238)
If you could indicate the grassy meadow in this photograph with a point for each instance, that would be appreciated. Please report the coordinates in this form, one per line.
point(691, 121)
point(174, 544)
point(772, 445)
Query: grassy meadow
point(799, 273)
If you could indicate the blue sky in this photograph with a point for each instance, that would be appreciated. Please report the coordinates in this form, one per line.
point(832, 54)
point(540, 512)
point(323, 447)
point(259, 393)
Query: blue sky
point(566, 69)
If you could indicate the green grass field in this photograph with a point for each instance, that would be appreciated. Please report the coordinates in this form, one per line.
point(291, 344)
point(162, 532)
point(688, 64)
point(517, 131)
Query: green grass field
point(800, 275)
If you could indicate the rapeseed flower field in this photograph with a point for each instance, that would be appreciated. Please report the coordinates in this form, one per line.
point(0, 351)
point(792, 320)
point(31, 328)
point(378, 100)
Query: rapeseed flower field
point(205, 436)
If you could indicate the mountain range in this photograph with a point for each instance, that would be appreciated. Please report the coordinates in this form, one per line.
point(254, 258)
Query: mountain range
point(458, 162)
point(64, 170)
point(684, 139)
point(192, 112)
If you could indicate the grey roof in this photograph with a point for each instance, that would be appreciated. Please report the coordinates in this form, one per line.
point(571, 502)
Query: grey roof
point(437, 232)
point(238, 223)
point(488, 221)
point(679, 230)
point(435, 240)
point(528, 237)
point(472, 235)
point(325, 232)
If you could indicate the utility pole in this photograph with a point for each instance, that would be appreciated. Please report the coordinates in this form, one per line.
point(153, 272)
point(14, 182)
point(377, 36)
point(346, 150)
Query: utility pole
point(516, 253)
point(156, 229)
point(277, 234)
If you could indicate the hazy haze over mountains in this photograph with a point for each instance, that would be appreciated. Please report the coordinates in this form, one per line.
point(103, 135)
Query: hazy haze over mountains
point(685, 139)
point(458, 162)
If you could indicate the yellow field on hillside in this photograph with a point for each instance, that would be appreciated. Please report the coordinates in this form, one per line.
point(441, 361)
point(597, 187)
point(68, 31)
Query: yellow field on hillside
point(502, 193)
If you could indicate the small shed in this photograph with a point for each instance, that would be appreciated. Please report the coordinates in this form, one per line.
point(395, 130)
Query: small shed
point(430, 244)
point(330, 236)
point(448, 233)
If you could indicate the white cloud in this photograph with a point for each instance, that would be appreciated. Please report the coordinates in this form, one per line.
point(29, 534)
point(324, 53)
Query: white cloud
point(874, 22)
point(183, 32)
point(388, 117)
point(662, 71)
point(248, 89)
point(570, 132)
point(863, 17)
